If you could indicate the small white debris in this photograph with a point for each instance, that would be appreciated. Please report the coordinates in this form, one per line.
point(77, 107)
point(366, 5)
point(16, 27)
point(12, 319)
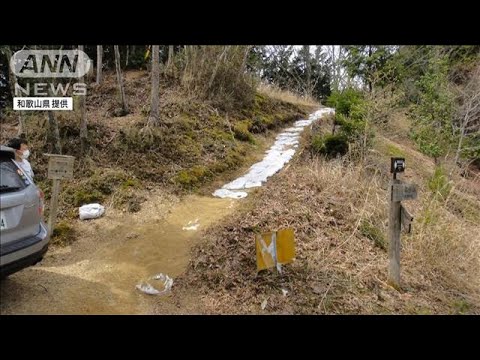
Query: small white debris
point(147, 289)
point(150, 290)
point(192, 225)
point(264, 304)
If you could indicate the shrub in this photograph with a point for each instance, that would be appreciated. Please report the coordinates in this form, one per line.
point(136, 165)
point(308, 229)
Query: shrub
point(330, 145)
point(439, 183)
point(345, 101)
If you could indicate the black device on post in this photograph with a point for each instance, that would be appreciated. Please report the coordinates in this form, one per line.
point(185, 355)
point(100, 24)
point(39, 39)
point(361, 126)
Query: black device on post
point(397, 165)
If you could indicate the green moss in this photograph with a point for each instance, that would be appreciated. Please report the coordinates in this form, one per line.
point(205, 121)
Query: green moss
point(218, 167)
point(262, 122)
point(219, 134)
point(392, 150)
point(105, 181)
point(233, 158)
point(97, 187)
point(260, 99)
point(461, 306)
point(63, 233)
point(373, 233)
point(187, 123)
point(130, 183)
point(185, 147)
point(82, 197)
point(423, 311)
point(191, 178)
point(241, 131)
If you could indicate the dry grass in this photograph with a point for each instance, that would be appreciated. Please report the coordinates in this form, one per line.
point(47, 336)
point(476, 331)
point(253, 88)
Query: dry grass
point(285, 95)
point(340, 267)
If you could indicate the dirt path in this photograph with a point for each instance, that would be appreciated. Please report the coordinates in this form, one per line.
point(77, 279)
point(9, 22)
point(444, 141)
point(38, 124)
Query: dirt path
point(98, 274)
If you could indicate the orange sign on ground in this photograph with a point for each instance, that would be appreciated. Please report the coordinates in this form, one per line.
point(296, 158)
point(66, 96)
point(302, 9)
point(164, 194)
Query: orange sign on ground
point(275, 249)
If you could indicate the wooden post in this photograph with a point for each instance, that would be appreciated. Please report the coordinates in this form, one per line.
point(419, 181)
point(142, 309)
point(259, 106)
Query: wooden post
point(120, 80)
point(53, 206)
point(406, 220)
point(99, 63)
point(394, 238)
point(278, 266)
point(399, 191)
point(59, 167)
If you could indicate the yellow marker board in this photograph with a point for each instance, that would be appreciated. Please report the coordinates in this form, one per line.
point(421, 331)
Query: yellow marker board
point(275, 248)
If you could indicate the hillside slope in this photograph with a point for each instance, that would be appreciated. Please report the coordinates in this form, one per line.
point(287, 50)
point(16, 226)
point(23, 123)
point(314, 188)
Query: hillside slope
point(196, 142)
point(339, 212)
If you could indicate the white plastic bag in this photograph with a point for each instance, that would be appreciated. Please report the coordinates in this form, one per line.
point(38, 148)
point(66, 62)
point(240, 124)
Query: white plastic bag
point(91, 211)
point(166, 281)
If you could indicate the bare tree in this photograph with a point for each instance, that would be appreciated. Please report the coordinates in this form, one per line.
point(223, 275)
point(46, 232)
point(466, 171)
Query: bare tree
point(83, 113)
point(53, 134)
point(170, 56)
point(120, 80)
point(154, 118)
point(53, 131)
point(308, 66)
point(221, 57)
point(468, 114)
point(99, 63)
point(188, 54)
point(335, 52)
point(22, 129)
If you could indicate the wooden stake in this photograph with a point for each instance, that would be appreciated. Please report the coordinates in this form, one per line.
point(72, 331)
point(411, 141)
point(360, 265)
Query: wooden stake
point(53, 206)
point(394, 238)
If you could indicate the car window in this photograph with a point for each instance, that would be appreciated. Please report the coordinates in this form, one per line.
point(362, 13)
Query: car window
point(11, 177)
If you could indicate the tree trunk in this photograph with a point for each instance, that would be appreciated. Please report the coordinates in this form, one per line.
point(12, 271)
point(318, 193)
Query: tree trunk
point(241, 71)
point(120, 81)
point(170, 56)
point(334, 70)
point(99, 63)
point(154, 119)
point(217, 65)
point(188, 54)
point(12, 79)
point(83, 116)
point(53, 134)
point(370, 69)
point(338, 68)
point(459, 149)
point(128, 52)
point(22, 129)
point(308, 65)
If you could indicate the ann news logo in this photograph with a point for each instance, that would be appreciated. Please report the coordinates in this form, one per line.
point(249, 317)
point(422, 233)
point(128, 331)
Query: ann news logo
point(50, 63)
point(39, 74)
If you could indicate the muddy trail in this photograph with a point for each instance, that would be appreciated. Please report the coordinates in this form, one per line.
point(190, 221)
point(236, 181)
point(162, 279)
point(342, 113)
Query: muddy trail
point(117, 256)
point(102, 279)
